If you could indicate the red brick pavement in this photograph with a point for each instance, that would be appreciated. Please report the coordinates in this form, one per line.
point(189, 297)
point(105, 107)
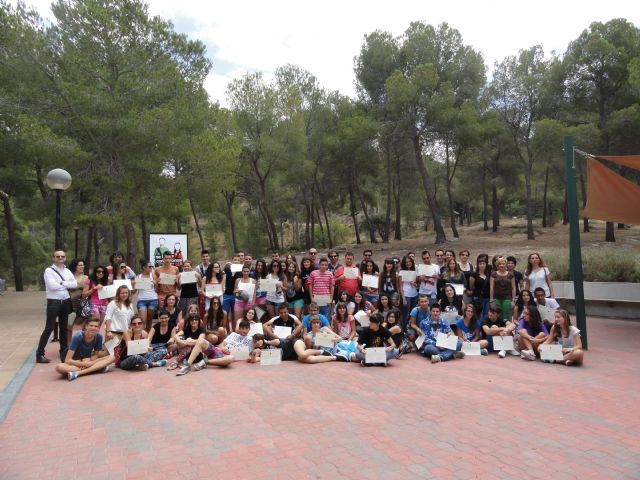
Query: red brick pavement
point(472, 418)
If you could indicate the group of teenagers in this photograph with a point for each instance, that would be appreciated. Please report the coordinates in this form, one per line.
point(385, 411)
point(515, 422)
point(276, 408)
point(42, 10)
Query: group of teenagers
point(225, 312)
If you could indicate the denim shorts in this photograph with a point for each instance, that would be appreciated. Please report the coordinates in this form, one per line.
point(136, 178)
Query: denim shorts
point(147, 304)
point(274, 304)
point(296, 303)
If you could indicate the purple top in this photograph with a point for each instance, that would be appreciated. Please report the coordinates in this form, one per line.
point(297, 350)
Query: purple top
point(522, 324)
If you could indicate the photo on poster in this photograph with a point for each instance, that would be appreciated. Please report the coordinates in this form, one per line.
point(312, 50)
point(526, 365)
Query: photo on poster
point(174, 243)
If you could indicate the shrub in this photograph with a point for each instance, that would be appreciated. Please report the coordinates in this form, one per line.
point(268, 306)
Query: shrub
point(609, 264)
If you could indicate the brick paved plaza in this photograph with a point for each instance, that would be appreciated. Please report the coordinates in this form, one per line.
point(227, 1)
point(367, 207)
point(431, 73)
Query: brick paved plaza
point(472, 418)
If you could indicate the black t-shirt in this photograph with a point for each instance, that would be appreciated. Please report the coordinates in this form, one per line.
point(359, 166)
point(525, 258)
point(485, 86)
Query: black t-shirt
point(376, 269)
point(159, 337)
point(189, 290)
point(369, 338)
point(279, 322)
point(288, 352)
point(188, 333)
point(230, 280)
point(498, 323)
point(519, 278)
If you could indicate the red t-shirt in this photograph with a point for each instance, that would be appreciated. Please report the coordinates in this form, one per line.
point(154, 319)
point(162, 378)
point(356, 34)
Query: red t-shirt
point(351, 285)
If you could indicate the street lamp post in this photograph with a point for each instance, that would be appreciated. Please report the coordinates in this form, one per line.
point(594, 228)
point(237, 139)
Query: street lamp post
point(58, 180)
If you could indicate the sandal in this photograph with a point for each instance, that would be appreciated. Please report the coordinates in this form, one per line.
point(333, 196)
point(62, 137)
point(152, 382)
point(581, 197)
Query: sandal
point(173, 366)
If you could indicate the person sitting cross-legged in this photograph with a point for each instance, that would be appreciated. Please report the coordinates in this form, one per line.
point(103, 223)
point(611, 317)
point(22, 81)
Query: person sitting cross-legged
point(86, 354)
point(375, 336)
point(430, 327)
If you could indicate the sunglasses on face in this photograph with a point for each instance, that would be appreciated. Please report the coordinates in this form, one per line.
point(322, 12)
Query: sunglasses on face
point(136, 323)
point(99, 271)
point(61, 256)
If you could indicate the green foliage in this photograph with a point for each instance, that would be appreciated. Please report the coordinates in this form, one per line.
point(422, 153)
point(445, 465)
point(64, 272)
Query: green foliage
point(599, 265)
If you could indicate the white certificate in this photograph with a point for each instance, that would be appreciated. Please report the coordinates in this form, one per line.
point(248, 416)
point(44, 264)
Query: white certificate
point(259, 313)
point(268, 285)
point(144, 283)
point(239, 353)
point(363, 318)
point(450, 342)
point(351, 272)
point(408, 275)
point(137, 347)
point(167, 279)
point(271, 356)
point(502, 343)
point(256, 327)
point(450, 317)
point(370, 281)
point(111, 345)
point(547, 313)
point(236, 267)
point(188, 277)
point(324, 339)
point(459, 288)
point(471, 348)
point(282, 332)
point(551, 352)
point(419, 341)
point(247, 287)
point(107, 291)
point(322, 300)
point(375, 355)
point(424, 270)
point(214, 290)
point(126, 282)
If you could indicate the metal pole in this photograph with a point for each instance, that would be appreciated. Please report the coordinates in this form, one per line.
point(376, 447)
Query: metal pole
point(575, 253)
point(59, 244)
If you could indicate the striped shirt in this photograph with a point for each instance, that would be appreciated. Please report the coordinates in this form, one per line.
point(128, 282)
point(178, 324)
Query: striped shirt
point(322, 282)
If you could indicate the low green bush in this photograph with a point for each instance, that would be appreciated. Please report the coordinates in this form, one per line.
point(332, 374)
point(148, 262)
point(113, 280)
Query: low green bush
point(609, 264)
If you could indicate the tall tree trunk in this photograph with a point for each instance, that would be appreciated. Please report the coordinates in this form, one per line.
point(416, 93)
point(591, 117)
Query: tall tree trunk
point(527, 182)
point(322, 200)
point(115, 241)
point(178, 225)
point(352, 207)
point(262, 212)
point(485, 213)
point(427, 184)
point(544, 198)
point(197, 223)
point(313, 218)
point(132, 249)
point(307, 220)
point(229, 198)
point(87, 253)
point(271, 226)
point(610, 235)
point(96, 246)
point(387, 217)
point(13, 241)
point(450, 173)
point(397, 234)
point(495, 208)
point(322, 235)
point(144, 233)
point(371, 227)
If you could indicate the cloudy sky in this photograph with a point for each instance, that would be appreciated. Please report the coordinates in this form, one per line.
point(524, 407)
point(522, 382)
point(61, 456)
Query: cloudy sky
point(324, 37)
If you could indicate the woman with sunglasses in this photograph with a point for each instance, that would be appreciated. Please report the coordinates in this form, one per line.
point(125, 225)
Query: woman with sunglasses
point(214, 275)
point(147, 303)
point(217, 323)
point(96, 282)
point(275, 299)
point(153, 358)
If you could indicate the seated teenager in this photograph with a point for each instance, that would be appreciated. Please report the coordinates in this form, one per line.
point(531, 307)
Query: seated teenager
point(216, 321)
point(161, 335)
point(565, 334)
point(532, 332)
point(85, 354)
point(187, 339)
point(153, 358)
point(240, 338)
point(342, 323)
point(430, 327)
point(343, 350)
point(469, 329)
point(495, 325)
point(295, 349)
point(525, 298)
point(211, 354)
point(284, 319)
point(545, 302)
point(450, 302)
point(393, 323)
point(375, 336)
point(417, 315)
point(313, 310)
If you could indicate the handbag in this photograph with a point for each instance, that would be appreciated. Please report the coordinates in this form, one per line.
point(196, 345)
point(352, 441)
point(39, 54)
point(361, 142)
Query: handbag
point(84, 309)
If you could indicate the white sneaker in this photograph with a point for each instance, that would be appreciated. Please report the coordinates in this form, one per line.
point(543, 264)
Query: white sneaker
point(515, 353)
point(502, 353)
